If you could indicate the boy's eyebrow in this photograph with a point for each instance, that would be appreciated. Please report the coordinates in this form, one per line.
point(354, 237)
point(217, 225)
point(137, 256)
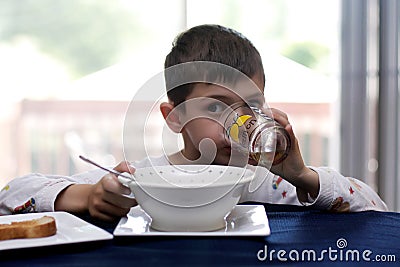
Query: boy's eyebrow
point(221, 98)
point(226, 99)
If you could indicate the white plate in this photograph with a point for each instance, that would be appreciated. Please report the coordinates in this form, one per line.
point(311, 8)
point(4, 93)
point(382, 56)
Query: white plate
point(70, 229)
point(244, 220)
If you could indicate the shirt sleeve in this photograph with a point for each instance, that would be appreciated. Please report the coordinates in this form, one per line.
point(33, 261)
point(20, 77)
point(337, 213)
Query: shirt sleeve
point(344, 194)
point(337, 193)
point(37, 192)
point(266, 187)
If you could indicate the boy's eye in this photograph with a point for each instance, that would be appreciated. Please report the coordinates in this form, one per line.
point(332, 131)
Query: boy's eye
point(216, 107)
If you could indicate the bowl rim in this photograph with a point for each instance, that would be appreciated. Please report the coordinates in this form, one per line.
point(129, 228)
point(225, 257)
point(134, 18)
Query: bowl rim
point(246, 176)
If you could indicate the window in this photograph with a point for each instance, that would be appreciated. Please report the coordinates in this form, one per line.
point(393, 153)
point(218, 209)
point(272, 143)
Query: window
point(370, 95)
point(389, 104)
point(70, 68)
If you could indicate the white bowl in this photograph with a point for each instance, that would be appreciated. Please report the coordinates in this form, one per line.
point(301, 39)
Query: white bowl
point(188, 197)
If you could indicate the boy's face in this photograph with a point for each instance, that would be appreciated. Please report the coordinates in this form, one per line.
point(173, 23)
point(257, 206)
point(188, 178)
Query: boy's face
point(203, 129)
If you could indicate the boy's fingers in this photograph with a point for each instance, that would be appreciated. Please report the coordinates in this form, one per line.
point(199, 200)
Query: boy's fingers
point(120, 201)
point(108, 212)
point(111, 184)
point(280, 117)
point(277, 114)
point(124, 166)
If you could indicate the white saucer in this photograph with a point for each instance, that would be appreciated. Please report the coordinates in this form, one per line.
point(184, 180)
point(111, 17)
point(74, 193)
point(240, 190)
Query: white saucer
point(244, 220)
point(70, 229)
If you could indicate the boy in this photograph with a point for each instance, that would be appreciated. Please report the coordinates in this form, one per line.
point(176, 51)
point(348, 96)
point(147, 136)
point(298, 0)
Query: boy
point(101, 194)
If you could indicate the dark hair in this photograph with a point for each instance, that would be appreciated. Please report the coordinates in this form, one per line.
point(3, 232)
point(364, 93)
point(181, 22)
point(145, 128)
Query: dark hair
point(213, 43)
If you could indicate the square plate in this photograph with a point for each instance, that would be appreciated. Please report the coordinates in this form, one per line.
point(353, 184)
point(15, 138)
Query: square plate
point(70, 229)
point(244, 220)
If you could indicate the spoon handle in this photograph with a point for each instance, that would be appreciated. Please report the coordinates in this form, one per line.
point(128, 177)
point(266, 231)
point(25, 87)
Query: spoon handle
point(103, 168)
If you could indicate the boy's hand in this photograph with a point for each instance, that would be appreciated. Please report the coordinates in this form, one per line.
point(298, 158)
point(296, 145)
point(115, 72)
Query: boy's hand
point(293, 168)
point(108, 199)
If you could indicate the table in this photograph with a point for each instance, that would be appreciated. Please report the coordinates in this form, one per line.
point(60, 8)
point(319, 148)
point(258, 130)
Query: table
point(299, 236)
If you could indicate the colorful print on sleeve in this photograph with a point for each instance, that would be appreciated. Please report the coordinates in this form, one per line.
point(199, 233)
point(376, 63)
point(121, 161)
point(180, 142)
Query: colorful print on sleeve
point(276, 182)
point(6, 188)
point(27, 207)
point(338, 205)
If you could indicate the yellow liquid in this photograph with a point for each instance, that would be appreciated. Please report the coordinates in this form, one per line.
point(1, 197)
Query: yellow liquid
point(267, 159)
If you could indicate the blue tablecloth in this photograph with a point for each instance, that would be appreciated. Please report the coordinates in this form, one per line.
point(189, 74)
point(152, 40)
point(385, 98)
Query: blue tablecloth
point(298, 236)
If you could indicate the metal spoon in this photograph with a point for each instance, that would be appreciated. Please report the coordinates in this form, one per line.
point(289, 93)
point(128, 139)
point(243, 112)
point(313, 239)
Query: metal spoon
point(104, 168)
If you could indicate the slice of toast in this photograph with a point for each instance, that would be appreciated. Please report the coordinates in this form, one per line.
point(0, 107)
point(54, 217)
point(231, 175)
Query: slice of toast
point(42, 227)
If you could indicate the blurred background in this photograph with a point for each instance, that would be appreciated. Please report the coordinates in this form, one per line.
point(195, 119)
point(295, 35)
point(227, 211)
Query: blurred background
point(70, 68)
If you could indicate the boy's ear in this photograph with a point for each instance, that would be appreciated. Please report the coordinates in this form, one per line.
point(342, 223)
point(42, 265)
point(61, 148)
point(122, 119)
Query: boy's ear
point(171, 116)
